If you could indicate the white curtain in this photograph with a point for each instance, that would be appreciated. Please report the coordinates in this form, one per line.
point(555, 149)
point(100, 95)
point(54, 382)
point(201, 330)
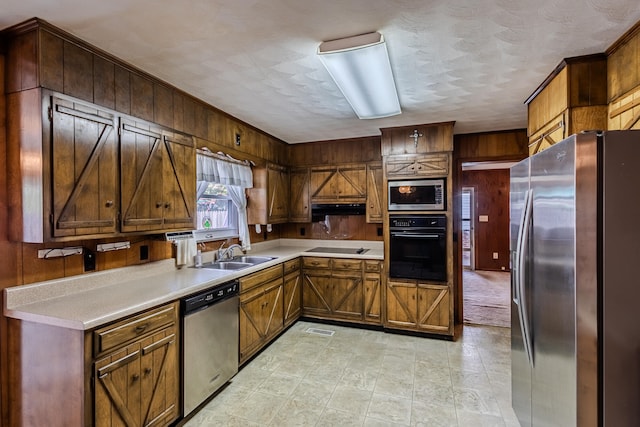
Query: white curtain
point(236, 177)
point(222, 172)
point(239, 198)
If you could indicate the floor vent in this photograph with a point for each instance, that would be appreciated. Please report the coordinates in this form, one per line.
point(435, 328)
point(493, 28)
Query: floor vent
point(324, 332)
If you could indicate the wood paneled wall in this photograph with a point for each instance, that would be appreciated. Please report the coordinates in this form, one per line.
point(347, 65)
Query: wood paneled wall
point(492, 200)
point(352, 150)
point(502, 145)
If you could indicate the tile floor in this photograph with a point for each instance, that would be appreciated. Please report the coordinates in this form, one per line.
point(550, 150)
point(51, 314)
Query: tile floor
point(368, 378)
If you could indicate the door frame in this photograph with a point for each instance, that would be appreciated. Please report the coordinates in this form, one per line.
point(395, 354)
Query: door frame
point(472, 227)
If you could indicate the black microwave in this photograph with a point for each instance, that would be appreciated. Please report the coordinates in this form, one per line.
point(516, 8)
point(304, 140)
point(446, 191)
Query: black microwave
point(417, 195)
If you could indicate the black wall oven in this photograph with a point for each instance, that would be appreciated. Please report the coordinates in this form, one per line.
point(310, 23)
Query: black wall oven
point(418, 247)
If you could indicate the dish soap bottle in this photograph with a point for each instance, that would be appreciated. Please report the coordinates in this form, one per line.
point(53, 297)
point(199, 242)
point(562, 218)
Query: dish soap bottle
point(198, 259)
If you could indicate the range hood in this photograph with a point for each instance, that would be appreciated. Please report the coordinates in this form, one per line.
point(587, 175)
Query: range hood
point(319, 211)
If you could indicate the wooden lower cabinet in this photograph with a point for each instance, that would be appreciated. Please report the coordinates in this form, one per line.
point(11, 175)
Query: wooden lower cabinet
point(424, 307)
point(341, 289)
point(122, 374)
point(372, 292)
point(292, 291)
point(137, 382)
point(261, 310)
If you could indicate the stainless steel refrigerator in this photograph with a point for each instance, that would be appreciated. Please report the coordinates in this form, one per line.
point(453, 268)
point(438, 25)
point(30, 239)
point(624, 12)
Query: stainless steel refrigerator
point(575, 312)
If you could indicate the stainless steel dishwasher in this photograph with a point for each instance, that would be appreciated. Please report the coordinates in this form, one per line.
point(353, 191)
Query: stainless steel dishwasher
point(210, 342)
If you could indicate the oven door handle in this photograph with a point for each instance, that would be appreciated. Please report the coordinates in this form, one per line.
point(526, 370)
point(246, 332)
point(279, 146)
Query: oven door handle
point(417, 236)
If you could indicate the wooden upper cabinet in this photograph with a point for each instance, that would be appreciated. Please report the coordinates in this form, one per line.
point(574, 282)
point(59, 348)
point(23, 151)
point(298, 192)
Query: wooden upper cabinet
point(300, 207)
point(572, 99)
point(375, 188)
point(418, 166)
point(158, 177)
point(623, 68)
point(339, 183)
point(84, 167)
point(418, 139)
point(268, 200)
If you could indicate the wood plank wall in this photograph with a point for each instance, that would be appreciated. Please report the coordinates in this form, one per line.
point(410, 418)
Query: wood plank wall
point(351, 150)
point(491, 192)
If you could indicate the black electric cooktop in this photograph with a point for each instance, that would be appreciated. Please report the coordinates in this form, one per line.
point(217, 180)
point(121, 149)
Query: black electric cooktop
point(355, 251)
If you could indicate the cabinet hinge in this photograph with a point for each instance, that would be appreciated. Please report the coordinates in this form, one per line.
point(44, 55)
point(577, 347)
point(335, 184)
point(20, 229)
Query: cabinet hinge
point(51, 218)
point(50, 113)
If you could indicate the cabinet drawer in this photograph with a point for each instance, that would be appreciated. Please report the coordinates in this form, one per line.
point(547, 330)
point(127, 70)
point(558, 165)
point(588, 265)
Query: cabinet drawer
point(258, 291)
point(347, 264)
point(261, 277)
point(115, 335)
point(291, 266)
point(316, 262)
point(372, 266)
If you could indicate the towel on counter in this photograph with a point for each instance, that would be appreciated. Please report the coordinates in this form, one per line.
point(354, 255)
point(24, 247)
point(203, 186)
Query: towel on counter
point(186, 249)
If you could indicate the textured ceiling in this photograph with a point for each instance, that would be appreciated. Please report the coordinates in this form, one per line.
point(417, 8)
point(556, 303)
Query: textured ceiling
point(469, 61)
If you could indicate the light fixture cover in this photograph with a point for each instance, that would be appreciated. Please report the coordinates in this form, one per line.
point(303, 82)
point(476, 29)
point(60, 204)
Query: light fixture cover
point(360, 67)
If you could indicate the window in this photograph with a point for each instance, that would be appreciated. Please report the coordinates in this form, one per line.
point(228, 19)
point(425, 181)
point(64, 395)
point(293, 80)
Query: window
point(217, 216)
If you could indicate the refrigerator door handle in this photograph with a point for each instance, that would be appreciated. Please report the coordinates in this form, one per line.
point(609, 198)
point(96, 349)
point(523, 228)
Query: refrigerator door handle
point(525, 230)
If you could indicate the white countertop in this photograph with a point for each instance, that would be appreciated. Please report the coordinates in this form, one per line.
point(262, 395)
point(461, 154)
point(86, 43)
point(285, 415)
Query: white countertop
point(90, 300)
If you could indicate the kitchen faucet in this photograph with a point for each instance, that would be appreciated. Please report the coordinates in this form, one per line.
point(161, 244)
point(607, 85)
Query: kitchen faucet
point(228, 252)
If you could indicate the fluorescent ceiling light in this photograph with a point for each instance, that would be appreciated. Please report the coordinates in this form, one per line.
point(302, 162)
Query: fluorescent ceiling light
point(360, 67)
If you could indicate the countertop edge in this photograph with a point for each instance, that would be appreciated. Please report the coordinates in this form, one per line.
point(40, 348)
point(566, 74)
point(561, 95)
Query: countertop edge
point(43, 311)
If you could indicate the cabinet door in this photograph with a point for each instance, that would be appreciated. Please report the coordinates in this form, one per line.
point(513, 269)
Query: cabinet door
point(277, 194)
point(261, 316)
point(433, 308)
point(300, 209)
point(158, 178)
point(372, 289)
point(179, 181)
point(342, 183)
point(160, 378)
point(346, 295)
point(117, 396)
point(292, 297)
point(142, 173)
point(316, 292)
point(401, 304)
point(375, 209)
point(83, 169)
point(428, 165)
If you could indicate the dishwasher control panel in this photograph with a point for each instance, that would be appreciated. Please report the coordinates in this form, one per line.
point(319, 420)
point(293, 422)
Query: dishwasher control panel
point(210, 296)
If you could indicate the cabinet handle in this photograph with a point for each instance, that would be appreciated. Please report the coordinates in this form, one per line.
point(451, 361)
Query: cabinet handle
point(141, 328)
point(158, 204)
point(147, 371)
point(109, 203)
point(167, 205)
point(134, 378)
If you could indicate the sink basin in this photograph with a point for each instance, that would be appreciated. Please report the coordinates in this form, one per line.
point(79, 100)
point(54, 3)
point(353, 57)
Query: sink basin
point(253, 259)
point(227, 265)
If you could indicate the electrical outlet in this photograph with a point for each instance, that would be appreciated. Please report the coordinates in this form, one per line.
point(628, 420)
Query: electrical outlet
point(89, 260)
point(144, 252)
point(495, 255)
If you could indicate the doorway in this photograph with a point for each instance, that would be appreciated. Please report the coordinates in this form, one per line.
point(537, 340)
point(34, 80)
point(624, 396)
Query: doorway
point(484, 229)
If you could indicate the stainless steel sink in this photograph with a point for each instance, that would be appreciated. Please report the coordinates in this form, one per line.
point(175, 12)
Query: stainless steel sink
point(238, 263)
point(252, 259)
point(227, 265)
